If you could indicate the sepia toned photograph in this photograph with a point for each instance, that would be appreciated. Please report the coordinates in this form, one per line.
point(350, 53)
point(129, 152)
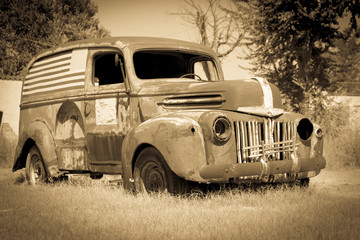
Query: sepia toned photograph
point(179, 119)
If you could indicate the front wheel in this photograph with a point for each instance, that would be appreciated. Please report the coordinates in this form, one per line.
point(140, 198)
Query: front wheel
point(152, 174)
point(35, 170)
point(304, 182)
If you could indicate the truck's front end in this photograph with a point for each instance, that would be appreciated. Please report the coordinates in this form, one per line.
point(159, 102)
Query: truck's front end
point(255, 148)
point(247, 136)
point(213, 131)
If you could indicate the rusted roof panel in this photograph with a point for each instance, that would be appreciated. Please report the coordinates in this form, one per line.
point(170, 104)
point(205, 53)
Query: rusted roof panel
point(121, 42)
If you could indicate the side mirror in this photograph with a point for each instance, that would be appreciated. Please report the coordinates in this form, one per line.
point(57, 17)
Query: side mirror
point(116, 60)
point(96, 81)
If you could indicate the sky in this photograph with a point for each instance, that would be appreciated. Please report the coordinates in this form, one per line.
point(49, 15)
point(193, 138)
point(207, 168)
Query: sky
point(156, 18)
point(144, 17)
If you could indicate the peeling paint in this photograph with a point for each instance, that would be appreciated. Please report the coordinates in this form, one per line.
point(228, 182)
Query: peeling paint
point(120, 44)
point(69, 129)
point(268, 98)
point(73, 158)
point(105, 111)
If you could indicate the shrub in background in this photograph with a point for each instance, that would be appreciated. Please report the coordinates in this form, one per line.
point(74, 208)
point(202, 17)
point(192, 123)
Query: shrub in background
point(342, 135)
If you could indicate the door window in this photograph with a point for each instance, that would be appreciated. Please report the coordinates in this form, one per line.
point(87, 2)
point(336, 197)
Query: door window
point(109, 69)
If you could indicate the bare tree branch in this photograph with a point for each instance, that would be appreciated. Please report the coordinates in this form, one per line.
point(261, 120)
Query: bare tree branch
point(218, 26)
point(232, 46)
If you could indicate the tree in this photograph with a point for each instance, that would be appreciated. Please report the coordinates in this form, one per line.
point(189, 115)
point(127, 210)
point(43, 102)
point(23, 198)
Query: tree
point(27, 27)
point(290, 41)
point(218, 26)
point(346, 67)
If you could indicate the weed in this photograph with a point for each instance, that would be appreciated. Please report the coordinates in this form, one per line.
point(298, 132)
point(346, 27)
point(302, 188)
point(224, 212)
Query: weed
point(342, 134)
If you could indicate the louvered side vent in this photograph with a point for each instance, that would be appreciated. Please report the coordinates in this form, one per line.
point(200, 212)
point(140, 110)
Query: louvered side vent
point(56, 74)
point(194, 101)
point(273, 139)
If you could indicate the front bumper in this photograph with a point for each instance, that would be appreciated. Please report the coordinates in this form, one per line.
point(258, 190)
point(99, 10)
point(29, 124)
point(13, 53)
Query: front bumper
point(264, 171)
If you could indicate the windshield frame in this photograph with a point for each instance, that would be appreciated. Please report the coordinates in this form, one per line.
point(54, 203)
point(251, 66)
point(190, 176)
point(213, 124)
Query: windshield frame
point(197, 55)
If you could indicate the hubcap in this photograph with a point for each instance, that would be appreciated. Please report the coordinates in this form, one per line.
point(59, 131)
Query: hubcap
point(37, 169)
point(154, 177)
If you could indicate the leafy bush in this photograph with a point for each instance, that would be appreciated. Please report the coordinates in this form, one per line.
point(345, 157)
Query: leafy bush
point(342, 136)
point(344, 150)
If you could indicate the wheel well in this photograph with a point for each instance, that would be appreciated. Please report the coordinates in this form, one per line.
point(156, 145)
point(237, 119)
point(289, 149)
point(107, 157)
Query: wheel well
point(21, 161)
point(137, 152)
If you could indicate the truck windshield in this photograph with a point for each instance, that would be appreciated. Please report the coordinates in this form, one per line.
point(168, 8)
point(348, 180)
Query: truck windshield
point(154, 64)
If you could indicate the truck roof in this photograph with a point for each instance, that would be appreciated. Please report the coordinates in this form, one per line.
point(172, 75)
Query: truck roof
point(121, 42)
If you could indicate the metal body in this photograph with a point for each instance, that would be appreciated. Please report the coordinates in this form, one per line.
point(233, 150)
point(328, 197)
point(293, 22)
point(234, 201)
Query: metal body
point(81, 124)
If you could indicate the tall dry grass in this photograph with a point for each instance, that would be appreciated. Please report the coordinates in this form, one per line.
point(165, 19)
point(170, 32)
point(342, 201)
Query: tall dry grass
point(81, 209)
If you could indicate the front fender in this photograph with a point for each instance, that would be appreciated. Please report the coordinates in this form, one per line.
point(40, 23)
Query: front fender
point(40, 133)
point(178, 138)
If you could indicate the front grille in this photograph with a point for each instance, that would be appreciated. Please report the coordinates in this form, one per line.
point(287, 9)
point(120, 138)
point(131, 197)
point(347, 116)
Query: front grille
point(270, 138)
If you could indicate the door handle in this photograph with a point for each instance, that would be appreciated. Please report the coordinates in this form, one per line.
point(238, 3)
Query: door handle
point(86, 112)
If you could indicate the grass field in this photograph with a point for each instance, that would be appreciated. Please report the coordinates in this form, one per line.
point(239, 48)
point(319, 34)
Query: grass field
point(328, 209)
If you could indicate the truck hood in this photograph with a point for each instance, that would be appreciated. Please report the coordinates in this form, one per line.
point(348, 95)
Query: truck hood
point(254, 95)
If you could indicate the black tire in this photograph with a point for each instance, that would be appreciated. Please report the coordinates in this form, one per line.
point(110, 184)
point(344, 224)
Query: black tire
point(152, 174)
point(35, 171)
point(304, 182)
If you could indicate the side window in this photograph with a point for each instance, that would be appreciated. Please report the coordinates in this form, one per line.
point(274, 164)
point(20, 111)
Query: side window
point(109, 69)
point(206, 70)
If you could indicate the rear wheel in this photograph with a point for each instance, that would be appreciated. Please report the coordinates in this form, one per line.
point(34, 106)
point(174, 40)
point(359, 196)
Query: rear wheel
point(152, 174)
point(35, 170)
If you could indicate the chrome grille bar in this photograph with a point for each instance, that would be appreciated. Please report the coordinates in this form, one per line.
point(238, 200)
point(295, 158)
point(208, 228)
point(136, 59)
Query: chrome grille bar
point(244, 140)
point(238, 141)
point(270, 138)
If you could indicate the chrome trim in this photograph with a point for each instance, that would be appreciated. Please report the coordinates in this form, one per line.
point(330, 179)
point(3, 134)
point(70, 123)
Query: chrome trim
point(210, 100)
point(227, 132)
point(268, 140)
point(264, 175)
point(295, 160)
point(266, 89)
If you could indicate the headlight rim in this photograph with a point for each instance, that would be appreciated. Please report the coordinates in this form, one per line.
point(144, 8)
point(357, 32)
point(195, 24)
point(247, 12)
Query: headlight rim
point(319, 133)
point(223, 137)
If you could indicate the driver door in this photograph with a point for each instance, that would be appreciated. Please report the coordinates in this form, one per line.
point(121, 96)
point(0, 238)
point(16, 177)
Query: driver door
point(104, 107)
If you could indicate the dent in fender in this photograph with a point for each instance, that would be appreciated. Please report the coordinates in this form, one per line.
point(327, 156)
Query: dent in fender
point(175, 137)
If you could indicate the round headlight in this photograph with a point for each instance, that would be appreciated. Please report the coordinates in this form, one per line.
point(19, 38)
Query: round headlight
point(305, 129)
point(222, 129)
point(319, 132)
